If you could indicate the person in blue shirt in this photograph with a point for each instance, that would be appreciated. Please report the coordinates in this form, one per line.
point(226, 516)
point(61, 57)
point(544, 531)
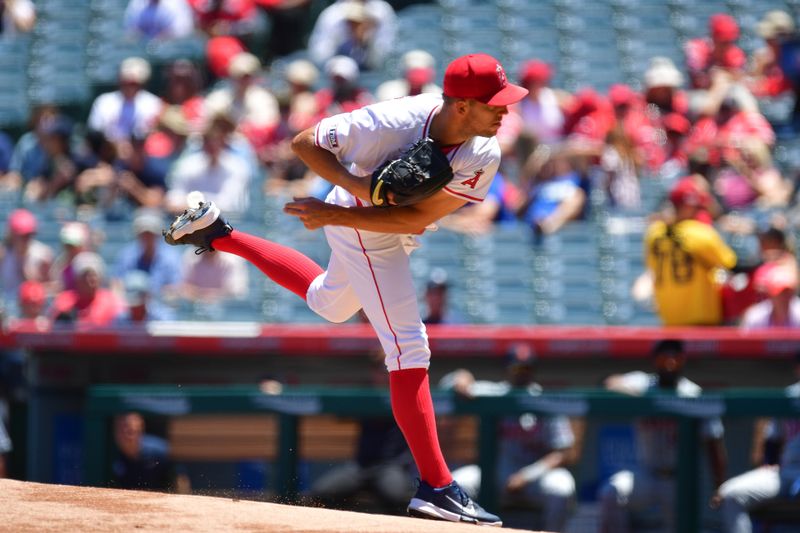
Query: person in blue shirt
point(555, 193)
point(149, 254)
point(28, 158)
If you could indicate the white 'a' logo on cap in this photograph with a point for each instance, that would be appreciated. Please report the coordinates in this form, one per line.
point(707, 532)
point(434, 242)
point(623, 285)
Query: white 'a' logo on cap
point(501, 75)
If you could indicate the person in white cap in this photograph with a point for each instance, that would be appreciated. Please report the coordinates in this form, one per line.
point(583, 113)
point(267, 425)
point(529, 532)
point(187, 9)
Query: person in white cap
point(343, 94)
point(369, 267)
point(301, 76)
point(129, 109)
point(253, 108)
point(662, 87)
point(158, 19)
point(419, 72)
point(333, 28)
point(147, 253)
point(75, 238)
point(89, 304)
point(16, 17)
point(287, 174)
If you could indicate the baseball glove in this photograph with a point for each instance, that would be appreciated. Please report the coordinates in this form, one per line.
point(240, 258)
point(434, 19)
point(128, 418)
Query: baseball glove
point(414, 175)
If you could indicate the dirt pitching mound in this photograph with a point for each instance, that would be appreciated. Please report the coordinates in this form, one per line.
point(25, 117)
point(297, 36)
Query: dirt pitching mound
point(35, 507)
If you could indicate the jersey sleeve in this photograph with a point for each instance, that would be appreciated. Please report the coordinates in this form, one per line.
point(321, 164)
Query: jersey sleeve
point(349, 136)
point(637, 381)
point(559, 433)
point(473, 174)
point(711, 249)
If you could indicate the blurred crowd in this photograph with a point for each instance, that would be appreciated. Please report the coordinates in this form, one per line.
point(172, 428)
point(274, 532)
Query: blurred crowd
point(219, 129)
point(168, 136)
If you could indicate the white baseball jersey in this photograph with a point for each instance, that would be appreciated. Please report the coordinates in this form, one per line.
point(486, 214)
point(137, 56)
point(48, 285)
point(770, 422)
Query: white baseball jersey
point(364, 139)
point(369, 269)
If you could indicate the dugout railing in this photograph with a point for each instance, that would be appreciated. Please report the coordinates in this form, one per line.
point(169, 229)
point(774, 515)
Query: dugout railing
point(104, 401)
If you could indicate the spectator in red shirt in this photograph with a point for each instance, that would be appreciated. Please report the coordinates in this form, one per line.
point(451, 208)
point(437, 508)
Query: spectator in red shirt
point(781, 307)
point(736, 118)
point(252, 107)
point(225, 17)
point(32, 301)
point(673, 158)
point(630, 116)
point(747, 288)
point(168, 139)
point(183, 88)
point(589, 118)
point(768, 78)
point(665, 110)
point(89, 304)
point(720, 50)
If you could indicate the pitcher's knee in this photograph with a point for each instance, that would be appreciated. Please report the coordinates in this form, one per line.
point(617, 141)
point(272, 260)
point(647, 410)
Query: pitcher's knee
point(732, 495)
point(336, 318)
point(331, 313)
point(559, 484)
point(613, 494)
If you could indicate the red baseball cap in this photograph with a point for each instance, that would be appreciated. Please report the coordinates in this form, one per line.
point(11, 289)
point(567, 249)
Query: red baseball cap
point(688, 192)
point(32, 292)
point(774, 278)
point(621, 94)
point(677, 123)
point(482, 78)
point(535, 71)
point(220, 51)
point(21, 222)
point(723, 27)
point(419, 76)
point(734, 57)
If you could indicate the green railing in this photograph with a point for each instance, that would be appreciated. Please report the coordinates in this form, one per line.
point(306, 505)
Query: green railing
point(103, 401)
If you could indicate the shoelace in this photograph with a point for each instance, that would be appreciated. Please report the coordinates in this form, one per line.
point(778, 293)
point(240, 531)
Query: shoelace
point(462, 496)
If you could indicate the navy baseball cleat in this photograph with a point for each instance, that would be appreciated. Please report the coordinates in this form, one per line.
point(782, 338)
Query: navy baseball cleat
point(198, 226)
point(449, 503)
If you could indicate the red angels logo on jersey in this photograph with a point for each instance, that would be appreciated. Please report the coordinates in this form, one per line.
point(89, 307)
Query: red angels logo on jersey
point(501, 75)
point(473, 181)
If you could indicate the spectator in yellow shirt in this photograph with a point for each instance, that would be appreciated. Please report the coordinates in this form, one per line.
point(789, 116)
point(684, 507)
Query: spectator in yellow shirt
point(685, 258)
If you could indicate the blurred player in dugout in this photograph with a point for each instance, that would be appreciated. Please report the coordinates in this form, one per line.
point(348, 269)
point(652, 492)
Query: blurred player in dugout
point(629, 495)
point(534, 450)
point(776, 476)
point(686, 257)
point(142, 460)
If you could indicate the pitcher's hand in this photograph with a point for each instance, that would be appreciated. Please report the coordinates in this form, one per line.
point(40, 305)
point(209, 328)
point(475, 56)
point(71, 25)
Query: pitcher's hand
point(312, 212)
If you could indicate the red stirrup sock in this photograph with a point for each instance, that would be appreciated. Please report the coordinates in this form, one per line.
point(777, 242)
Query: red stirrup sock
point(413, 411)
point(285, 266)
